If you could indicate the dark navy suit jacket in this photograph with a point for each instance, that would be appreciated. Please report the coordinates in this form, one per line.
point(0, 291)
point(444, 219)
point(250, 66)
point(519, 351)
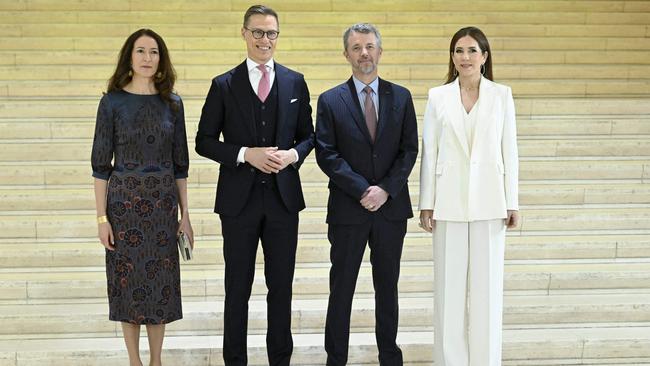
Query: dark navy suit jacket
point(228, 111)
point(345, 152)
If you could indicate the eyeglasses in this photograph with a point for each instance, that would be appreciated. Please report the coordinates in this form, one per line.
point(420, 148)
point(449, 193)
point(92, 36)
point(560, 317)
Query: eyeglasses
point(259, 34)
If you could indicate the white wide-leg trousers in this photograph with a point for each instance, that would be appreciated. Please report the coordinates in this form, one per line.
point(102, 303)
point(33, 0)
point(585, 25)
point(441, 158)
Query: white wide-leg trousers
point(468, 297)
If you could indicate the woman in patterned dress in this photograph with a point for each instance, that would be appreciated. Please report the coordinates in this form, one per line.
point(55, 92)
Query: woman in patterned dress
point(140, 163)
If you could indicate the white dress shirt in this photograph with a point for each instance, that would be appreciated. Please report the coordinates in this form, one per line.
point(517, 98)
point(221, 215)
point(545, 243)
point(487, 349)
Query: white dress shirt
point(469, 120)
point(255, 74)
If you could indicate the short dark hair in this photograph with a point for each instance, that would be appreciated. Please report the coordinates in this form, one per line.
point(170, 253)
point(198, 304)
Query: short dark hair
point(364, 28)
point(165, 75)
point(483, 44)
point(261, 10)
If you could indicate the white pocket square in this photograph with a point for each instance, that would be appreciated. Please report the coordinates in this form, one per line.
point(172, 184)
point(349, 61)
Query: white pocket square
point(293, 100)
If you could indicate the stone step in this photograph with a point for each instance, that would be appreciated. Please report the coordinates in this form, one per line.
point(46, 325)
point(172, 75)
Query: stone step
point(335, 30)
point(339, 5)
point(197, 88)
point(300, 42)
point(64, 252)
point(225, 59)
point(199, 317)
point(87, 284)
point(208, 250)
point(328, 72)
point(71, 129)
point(72, 149)
point(202, 197)
point(390, 13)
point(526, 107)
point(205, 172)
point(560, 127)
point(38, 321)
point(332, 16)
point(522, 88)
point(55, 224)
point(580, 346)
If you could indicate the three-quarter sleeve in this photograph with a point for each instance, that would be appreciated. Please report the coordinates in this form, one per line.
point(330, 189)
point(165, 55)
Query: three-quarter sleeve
point(102, 153)
point(180, 153)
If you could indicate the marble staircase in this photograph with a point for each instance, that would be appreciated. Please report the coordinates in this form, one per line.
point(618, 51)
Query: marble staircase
point(577, 277)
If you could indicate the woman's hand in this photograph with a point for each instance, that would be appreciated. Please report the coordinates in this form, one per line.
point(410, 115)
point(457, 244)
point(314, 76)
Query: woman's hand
point(105, 233)
point(426, 220)
point(513, 219)
point(186, 226)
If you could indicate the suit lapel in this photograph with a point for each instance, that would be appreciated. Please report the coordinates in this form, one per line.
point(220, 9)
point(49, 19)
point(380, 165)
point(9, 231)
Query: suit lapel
point(349, 95)
point(455, 111)
point(385, 106)
point(285, 86)
point(241, 89)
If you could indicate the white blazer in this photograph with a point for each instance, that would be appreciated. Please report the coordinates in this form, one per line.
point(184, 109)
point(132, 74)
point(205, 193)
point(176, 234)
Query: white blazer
point(463, 187)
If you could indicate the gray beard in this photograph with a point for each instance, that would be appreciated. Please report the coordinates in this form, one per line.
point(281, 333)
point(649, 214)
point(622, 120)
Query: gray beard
point(367, 69)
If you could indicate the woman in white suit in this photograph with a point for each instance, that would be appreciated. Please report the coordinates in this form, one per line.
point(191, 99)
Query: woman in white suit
point(468, 196)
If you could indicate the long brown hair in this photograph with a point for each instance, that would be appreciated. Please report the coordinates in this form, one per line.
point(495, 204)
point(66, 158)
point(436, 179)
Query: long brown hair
point(483, 44)
point(165, 76)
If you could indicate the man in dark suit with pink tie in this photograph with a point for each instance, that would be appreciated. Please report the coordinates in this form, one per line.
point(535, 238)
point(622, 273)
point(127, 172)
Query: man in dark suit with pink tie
point(366, 143)
point(256, 123)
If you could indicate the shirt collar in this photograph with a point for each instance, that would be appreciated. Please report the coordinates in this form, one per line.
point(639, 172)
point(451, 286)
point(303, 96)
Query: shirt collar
point(250, 64)
point(374, 85)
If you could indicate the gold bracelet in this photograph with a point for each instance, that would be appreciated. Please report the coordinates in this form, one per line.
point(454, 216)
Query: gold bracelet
point(102, 219)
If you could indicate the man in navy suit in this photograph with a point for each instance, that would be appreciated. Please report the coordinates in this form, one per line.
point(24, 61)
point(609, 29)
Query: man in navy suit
point(260, 110)
point(366, 143)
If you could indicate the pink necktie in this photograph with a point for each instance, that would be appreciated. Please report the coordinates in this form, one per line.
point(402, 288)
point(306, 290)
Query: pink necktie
point(370, 112)
point(264, 86)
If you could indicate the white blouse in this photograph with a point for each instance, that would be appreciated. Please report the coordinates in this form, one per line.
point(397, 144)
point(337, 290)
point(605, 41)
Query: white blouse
point(469, 120)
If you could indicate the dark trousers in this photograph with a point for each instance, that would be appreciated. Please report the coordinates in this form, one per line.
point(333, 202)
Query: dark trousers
point(348, 242)
point(263, 218)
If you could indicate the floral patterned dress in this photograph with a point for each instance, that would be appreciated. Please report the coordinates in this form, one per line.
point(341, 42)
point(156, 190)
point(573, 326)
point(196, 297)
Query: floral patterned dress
point(140, 147)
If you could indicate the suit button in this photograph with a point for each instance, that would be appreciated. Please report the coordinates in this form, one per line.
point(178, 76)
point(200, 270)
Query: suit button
point(263, 107)
point(374, 156)
point(263, 123)
point(263, 139)
point(252, 170)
